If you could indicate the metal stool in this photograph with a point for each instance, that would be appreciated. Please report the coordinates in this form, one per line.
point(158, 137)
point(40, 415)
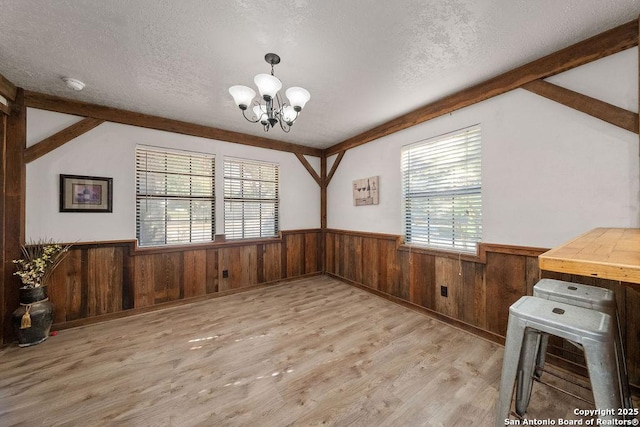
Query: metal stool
point(591, 297)
point(593, 330)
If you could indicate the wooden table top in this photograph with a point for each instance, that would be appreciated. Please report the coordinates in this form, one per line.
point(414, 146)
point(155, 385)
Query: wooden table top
point(606, 253)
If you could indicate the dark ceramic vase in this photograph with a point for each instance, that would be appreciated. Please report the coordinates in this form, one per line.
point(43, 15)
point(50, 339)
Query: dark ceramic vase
point(40, 313)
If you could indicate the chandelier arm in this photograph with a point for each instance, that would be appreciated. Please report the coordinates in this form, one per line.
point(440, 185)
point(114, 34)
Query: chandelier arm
point(285, 127)
point(249, 120)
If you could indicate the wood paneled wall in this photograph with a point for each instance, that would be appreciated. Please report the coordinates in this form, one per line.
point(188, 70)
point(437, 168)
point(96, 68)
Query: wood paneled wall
point(103, 280)
point(480, 289)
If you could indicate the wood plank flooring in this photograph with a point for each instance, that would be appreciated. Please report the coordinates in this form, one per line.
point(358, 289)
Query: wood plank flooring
point(308, 352)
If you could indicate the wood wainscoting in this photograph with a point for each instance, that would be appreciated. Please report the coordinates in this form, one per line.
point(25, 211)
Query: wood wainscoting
point(480, 288)
point(105, 280)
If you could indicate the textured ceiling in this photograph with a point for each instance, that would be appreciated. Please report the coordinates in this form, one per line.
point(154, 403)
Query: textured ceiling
point(364, 61)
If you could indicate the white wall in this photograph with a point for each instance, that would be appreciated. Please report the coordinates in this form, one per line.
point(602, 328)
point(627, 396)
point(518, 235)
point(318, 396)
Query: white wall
point(549, 172)
point(109, 151)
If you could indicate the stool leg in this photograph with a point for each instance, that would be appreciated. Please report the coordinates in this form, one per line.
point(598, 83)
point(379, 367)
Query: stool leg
point(622, 368)
point(542, 354)
point(512, 347)
point(603, 373)
point(526, 366)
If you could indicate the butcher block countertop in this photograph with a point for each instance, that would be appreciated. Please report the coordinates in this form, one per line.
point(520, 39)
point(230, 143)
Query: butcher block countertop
point(606, 253)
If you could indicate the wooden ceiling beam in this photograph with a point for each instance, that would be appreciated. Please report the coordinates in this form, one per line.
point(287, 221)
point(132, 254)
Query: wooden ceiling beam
point(591, 106)
point(334, 167)
point(7, 89)
point(607, 43)
point(59, 139)
point(309, 168)
point(4, 108)
point(115, 115)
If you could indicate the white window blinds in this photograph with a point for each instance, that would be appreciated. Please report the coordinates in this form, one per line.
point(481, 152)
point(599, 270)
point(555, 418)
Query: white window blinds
point(250, 199)
point(441, 189)
point(175, 197)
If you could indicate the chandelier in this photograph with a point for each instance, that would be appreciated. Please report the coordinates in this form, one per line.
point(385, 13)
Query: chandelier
point(273, 110)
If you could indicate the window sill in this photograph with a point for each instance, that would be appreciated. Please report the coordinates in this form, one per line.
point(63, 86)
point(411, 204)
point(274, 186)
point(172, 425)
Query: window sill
point(464, 256)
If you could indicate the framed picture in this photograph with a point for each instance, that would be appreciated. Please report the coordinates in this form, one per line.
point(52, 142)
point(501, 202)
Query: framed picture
point(365, 191)
point(85, 194)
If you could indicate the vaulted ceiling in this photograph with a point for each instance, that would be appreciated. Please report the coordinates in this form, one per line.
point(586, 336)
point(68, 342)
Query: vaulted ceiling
point(365, 62)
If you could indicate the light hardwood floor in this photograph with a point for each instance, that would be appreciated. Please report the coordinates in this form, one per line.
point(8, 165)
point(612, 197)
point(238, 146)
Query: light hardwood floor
point(309, 352)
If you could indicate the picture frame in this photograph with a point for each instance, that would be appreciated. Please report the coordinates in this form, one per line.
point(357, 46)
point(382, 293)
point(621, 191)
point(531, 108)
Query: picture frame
point(80, 193)
point(366, 191)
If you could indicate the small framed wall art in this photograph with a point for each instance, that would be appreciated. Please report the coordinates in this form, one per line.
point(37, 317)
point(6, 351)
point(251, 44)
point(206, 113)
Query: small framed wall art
point(86, 193)
point(366, 191)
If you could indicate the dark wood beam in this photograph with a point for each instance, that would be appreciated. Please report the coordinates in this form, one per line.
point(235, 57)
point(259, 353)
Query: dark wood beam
point(591, 106)
point(3, 234)
point(309, 168)
point(59, 139)
point(323, 193)
point(323, 213)
point(115, 115)
point(334, 166)
point(13, 182)
point(7, 89)
point(5, 109)
point(613, 41)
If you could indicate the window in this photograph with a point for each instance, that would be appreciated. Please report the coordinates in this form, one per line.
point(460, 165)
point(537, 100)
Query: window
point(250, 199)
point(441, 190)
point(175, 197)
